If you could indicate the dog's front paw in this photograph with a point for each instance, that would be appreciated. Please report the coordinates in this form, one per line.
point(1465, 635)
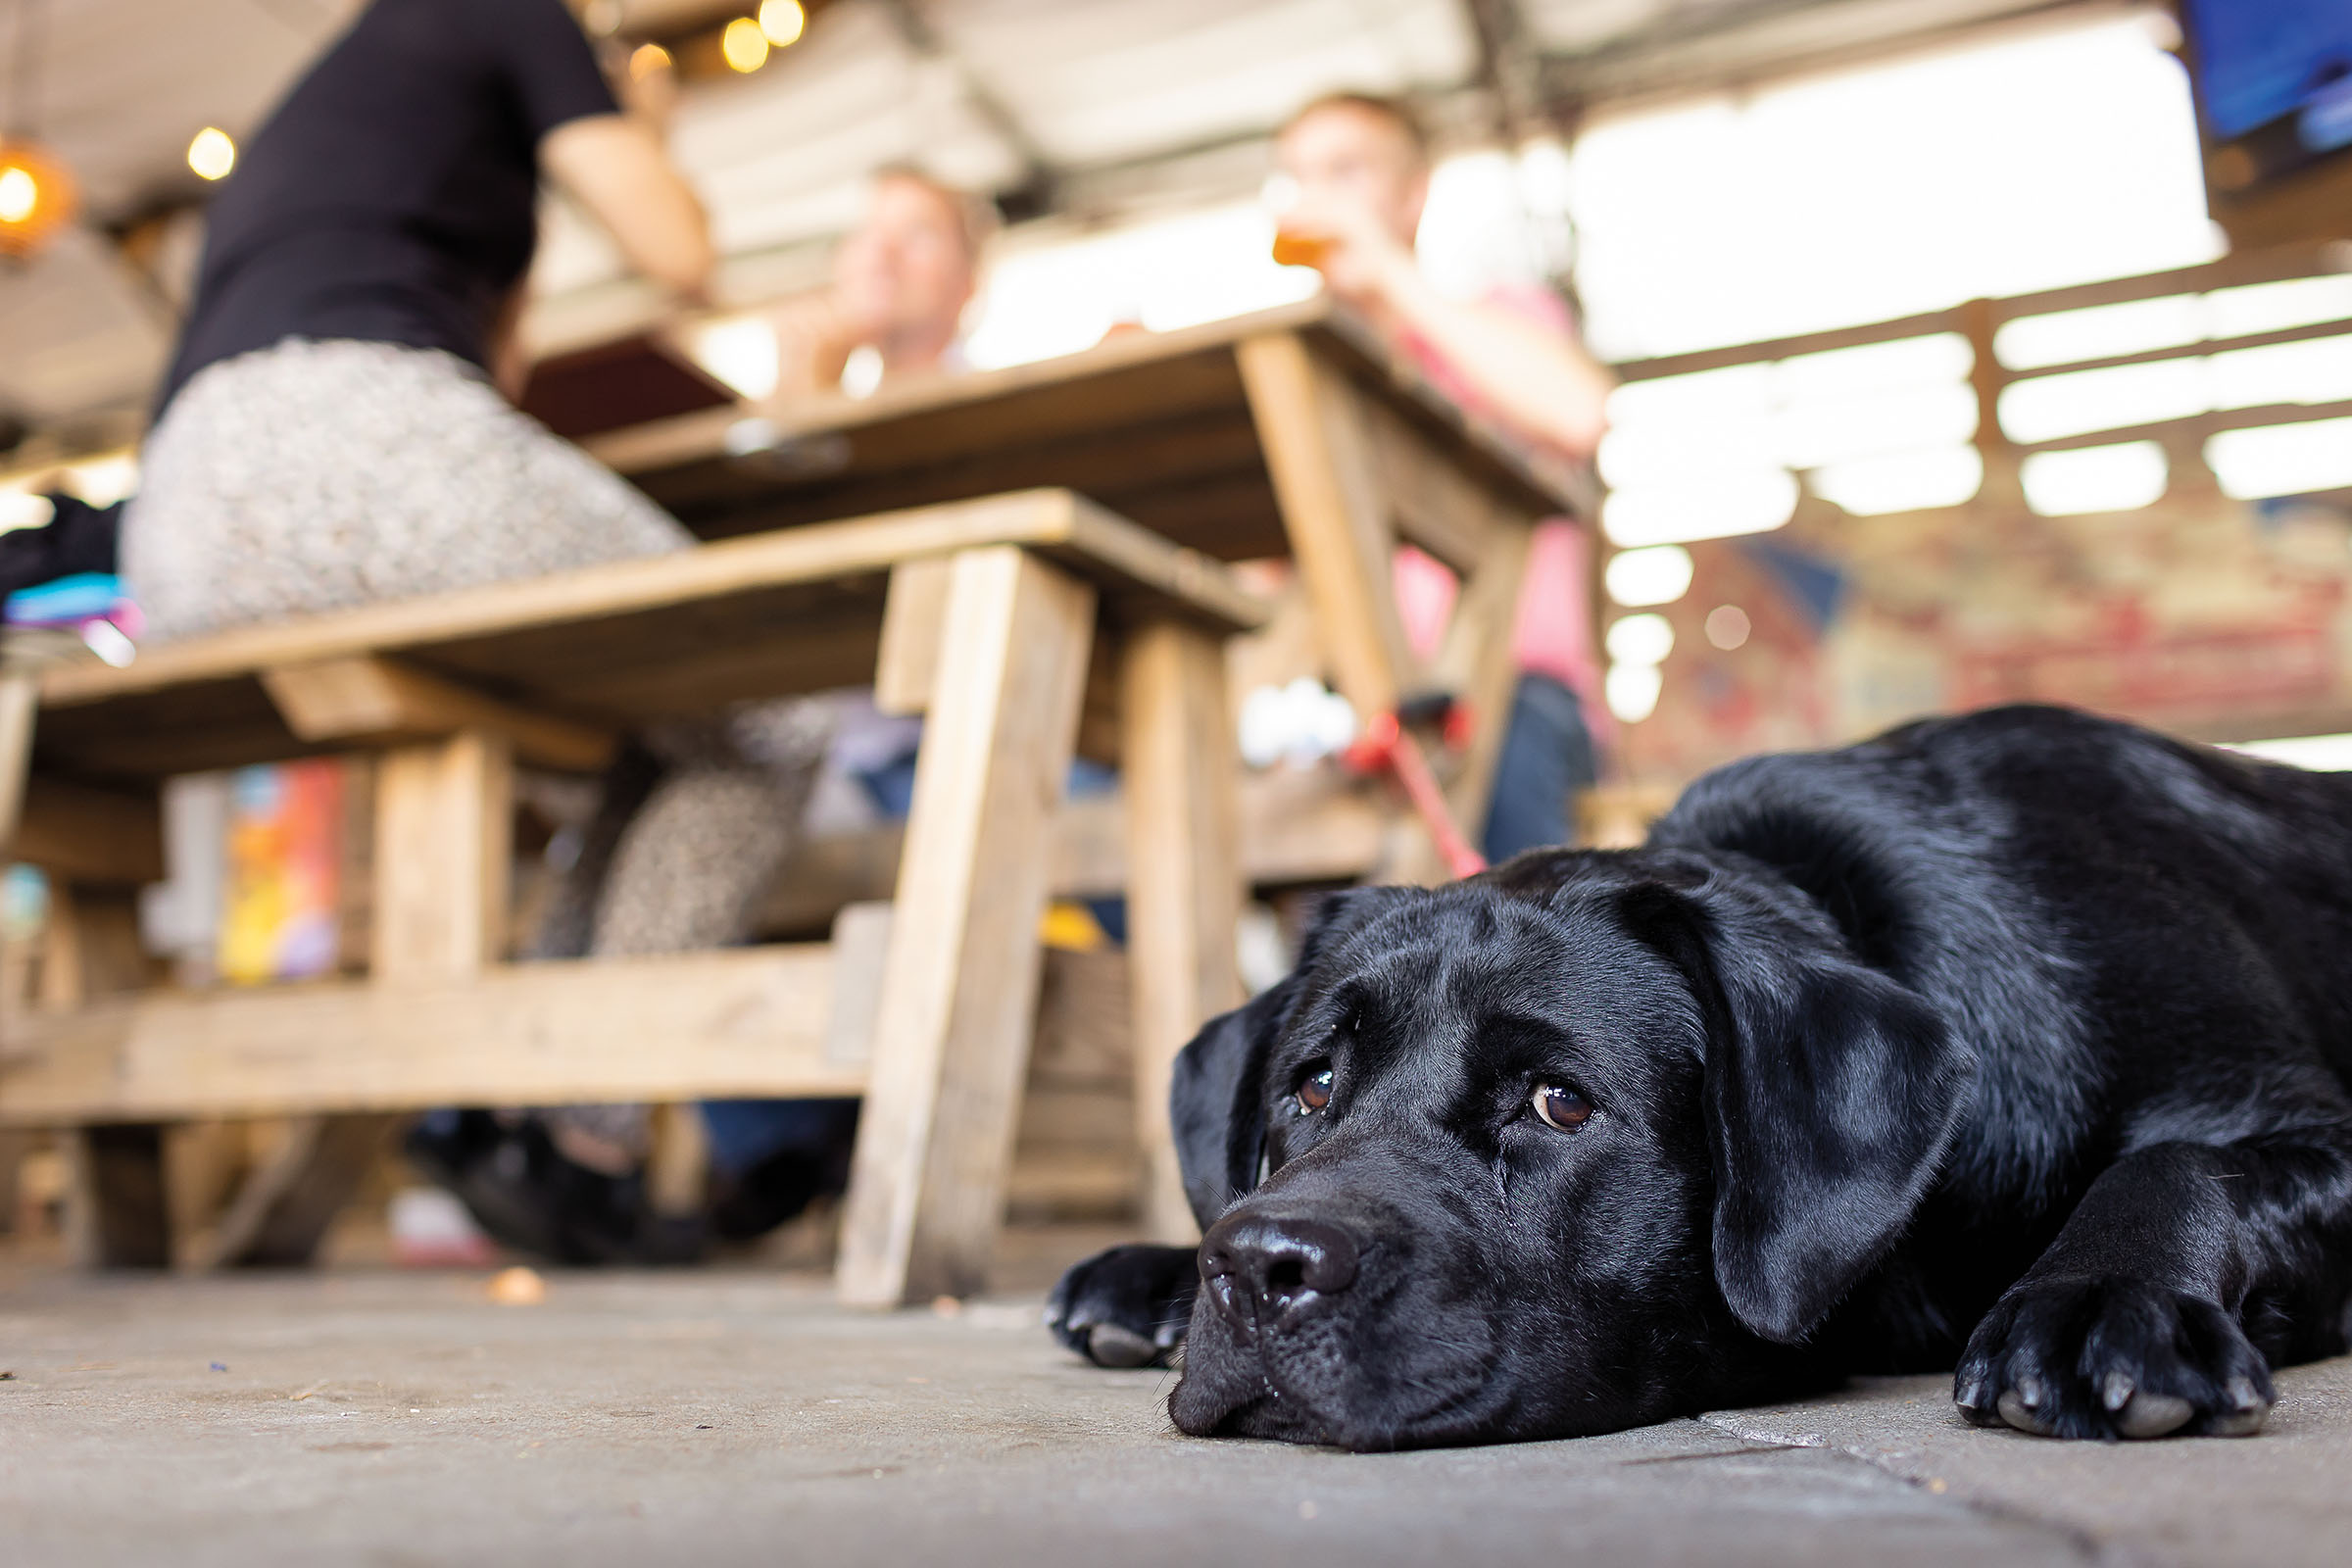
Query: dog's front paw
point(1128, 1307)
point(2112, 1358)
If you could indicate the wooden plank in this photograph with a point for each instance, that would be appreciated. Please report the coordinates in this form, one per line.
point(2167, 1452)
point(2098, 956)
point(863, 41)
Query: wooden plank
point(202, 1160)
point(2197, 426)
point(1312, 423)
point(667, 682)
point(361, 697)
point(745, 1023)
point(2336, 327)
point(912, 621)
point(1092, 543)
point(1297, 827)
point(117, 1215)
point(691, 437)
point(1132, 469)
point(444, 826)
point(91, 836)
point(1084, 1019)
point(284, 1209)
point(1435, 503)
point(1184, 880)
point(19, 695)
point(861, 960)
point(951, 1040)
point(2303, 260)
point(116, 1210)
point(1843, 337)
point(440, 875)
point(1479, 663)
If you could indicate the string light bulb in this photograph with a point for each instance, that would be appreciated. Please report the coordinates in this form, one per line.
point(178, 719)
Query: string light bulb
point(782, 22)
point(743, 46)
point(211, 153)
point(646, 59)
point(37, 196)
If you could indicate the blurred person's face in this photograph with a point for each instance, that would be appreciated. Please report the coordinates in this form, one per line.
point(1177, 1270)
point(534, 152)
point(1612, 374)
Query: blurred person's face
point(1348, 156)
point(905, 271)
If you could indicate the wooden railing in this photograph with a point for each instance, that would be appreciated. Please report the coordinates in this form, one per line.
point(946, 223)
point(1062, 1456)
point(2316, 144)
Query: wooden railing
point(1981, 321)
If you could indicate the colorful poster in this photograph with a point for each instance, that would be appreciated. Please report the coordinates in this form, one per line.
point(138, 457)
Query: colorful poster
point(285, 835)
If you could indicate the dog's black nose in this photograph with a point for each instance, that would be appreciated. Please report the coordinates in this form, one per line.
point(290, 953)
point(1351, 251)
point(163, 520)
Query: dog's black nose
point(1258, 1267)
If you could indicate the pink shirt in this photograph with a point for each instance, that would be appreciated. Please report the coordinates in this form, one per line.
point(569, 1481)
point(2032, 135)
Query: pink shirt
point(1554, 632)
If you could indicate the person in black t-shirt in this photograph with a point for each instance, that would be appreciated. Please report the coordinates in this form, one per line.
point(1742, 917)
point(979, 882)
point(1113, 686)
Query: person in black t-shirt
point(330, 434)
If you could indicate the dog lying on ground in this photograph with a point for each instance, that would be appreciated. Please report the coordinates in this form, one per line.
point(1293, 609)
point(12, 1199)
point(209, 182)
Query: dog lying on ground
point(2021, 1040)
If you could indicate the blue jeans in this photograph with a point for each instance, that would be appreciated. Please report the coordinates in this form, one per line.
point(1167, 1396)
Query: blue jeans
point(1547, 758)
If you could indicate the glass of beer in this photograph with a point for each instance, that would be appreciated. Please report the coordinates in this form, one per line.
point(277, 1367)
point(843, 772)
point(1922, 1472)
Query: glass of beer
point(1291, 247)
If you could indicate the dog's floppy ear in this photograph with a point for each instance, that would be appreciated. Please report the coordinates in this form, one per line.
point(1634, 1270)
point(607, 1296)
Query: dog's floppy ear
point(1214, 1099)
point(1832, 1093)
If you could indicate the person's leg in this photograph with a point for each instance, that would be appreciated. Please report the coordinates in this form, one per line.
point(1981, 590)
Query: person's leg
point(1546, 759)
point(770, 1158)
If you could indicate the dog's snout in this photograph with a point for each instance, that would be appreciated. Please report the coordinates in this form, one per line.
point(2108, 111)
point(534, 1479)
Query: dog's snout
point(1258, 1267)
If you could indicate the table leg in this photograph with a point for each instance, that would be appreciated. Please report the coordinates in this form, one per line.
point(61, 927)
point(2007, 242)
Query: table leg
point(1479, 662)
point(959, 985)
point(1180, 777)
point(1311, 425)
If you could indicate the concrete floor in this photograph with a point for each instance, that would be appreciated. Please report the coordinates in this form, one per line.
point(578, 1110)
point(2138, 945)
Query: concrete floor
point(382, 1418)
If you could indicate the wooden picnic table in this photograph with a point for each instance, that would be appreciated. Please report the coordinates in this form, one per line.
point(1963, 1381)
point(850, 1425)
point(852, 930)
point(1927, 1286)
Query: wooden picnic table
point(1290, 432)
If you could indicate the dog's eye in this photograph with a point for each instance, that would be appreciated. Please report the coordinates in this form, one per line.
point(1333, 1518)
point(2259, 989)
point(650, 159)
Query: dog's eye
point(1314, 1089)
point(1561, 1108)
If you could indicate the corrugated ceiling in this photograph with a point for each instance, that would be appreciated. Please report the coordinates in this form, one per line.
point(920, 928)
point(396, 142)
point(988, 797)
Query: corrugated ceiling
point(779, 156)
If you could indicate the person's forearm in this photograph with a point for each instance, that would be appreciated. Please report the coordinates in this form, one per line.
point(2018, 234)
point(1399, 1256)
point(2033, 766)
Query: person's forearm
point(1541, 383)
point(617, 168)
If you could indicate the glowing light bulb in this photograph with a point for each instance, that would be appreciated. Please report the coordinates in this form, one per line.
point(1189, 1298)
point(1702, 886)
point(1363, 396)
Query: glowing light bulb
point(646, 59)
point(211, 153)
point(20, 194)
point(37, 198)
point(782, 22)
point(743, 46)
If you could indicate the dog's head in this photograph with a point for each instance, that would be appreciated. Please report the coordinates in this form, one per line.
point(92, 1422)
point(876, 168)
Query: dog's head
point(1577, 1143)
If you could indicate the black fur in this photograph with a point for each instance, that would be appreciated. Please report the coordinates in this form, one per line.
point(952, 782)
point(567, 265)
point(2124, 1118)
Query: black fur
point(2021, 1042)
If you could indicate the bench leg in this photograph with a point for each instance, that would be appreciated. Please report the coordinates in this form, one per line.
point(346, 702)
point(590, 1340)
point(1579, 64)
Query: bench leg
point(115, 1211)
point(281, 1211)
point(959, 987)
point(1179, 776)
point(444, 820)
point(444, 842)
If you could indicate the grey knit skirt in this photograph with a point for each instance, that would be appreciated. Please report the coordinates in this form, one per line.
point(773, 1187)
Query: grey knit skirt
point(320, 475)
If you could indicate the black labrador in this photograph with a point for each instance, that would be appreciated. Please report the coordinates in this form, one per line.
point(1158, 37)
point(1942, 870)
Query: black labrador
point(2021, 1040)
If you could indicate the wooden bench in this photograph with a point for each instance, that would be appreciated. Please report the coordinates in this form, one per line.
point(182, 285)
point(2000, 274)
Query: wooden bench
point(986, 615)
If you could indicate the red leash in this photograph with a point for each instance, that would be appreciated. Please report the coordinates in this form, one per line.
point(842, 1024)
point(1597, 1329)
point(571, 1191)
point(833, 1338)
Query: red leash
point(1386, 742)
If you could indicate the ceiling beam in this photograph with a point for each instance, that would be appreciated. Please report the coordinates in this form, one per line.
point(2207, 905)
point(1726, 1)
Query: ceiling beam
point(1510, 68)
point(1685, 51)
point(1034, 193)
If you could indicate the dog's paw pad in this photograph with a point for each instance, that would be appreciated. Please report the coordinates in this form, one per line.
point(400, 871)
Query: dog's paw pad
point(1108, 1345)
point(2112, 1358)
